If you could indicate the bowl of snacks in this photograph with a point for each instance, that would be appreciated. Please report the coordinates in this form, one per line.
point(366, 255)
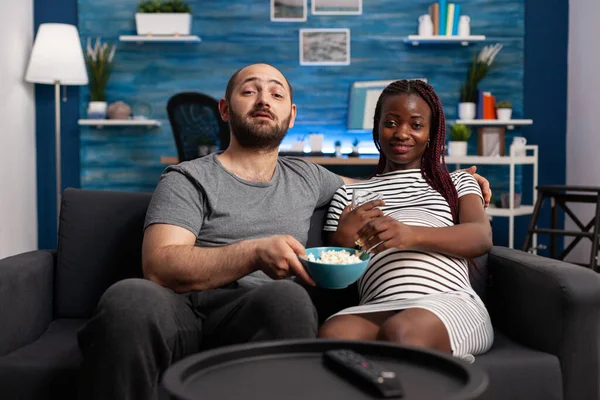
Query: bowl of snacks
point(335, 267)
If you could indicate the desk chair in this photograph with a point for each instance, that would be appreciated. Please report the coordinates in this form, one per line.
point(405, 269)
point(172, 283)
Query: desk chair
point(560, 195)
point(195, 118)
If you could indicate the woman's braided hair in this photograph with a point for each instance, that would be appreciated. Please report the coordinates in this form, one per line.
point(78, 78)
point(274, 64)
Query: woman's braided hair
point(433, 165)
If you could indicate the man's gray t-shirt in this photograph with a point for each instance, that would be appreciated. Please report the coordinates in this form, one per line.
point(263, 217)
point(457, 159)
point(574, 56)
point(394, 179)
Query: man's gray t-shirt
point(221, 208)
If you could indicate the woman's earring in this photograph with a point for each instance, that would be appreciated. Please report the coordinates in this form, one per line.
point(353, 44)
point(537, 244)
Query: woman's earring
point(427, 143)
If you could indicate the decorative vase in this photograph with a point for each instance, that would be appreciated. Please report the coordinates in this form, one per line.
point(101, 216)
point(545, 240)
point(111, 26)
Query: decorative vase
point(504, 114)
point(316, 142)
point(466, 111)
point(97, 110)
point(163, 23)
point(338, 151)
point(119, 110)
point(457, 149)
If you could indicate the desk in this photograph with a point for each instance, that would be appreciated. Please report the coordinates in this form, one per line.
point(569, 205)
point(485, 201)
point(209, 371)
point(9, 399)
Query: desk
point(170, 160)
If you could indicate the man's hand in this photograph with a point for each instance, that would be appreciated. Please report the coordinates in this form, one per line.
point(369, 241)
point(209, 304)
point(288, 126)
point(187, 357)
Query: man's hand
point(385, 233)
point(352, 220)
point(277, 256)
point(483, 183)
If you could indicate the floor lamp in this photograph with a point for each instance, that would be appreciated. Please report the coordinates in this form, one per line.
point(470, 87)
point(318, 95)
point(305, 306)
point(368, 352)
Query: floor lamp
point(57, 59)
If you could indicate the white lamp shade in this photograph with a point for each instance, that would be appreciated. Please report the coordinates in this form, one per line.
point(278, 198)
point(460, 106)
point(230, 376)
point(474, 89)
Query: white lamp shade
point(57, 56)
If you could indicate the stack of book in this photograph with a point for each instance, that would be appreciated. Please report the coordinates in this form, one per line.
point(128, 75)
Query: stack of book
point(445, 16)
point(486, 105)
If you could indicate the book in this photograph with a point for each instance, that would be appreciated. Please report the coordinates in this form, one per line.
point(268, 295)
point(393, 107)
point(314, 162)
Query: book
point(449, 19)
point(489, 106)
point(479, 112)
point(456, 19)
point(443, 16)
point(435, 17)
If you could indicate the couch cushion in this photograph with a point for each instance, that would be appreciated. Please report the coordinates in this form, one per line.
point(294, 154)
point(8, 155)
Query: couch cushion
point(517, 372)
point(99, 243)
point(46, 368)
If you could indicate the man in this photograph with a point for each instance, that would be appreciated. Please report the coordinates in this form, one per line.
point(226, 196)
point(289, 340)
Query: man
point(221, 234)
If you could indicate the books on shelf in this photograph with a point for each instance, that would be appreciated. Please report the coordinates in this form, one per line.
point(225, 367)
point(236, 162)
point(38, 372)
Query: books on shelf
point(445, 17)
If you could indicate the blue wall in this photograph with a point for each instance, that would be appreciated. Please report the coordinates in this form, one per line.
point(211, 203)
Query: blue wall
point(63, 11)
point(236, 34)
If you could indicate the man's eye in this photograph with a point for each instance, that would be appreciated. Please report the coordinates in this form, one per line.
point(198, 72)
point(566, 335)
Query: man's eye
point(247, 92)
point(278, 95)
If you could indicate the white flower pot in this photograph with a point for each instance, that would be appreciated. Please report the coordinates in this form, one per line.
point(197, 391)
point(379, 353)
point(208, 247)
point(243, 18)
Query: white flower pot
point(504, 114)
point(338, 151)
point(457, 149)
point(97, 109)
point(466, 110)
point(163, 23)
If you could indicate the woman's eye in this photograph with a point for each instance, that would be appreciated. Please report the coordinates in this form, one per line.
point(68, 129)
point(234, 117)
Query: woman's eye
point(417, 126)
point(389, 124)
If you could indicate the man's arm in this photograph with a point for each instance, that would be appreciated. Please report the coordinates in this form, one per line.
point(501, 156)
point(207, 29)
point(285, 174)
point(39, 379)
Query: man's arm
point(484, 184)
point(170, 258)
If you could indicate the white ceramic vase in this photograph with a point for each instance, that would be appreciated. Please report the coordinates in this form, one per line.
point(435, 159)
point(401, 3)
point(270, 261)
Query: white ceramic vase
point(504, 114)
point(97, 109)
point(457, 149)
point(466, 110)
point(163, 23)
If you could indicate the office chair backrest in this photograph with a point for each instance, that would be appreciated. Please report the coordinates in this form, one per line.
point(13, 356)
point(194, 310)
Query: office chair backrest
point(195, 120)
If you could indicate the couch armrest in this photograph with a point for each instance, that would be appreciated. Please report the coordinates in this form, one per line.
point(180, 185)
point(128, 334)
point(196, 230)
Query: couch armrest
point(551, 306)
point(26, 289)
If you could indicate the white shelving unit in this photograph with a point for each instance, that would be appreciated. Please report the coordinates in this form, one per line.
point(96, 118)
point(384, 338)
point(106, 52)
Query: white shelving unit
point(100, 123)
point(510, 124)
point(530, 158)
point(142, 39)
point(416, 40)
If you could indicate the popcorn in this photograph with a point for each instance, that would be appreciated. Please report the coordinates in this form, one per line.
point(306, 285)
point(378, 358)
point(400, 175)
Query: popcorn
point(335, 257)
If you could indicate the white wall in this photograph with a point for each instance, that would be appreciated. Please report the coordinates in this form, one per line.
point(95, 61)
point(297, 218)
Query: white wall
point(18, 205)
point(583, 125)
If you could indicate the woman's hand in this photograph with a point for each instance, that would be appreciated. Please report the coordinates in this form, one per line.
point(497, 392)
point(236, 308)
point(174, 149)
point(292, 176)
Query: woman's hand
point(385, 233)
point(352, 220)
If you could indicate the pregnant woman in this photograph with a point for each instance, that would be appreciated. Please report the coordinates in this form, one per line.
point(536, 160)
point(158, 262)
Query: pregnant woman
point(416, 290)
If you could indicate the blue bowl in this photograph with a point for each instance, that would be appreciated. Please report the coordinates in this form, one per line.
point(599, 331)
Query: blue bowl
point(334, 276)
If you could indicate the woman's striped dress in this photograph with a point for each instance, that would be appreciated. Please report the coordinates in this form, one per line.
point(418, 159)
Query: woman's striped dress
point(401, 279)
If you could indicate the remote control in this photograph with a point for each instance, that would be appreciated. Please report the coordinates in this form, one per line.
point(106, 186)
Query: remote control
point(369, 373)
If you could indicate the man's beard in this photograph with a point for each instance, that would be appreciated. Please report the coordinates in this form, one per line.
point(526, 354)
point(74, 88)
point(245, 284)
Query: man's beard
point(251, 134)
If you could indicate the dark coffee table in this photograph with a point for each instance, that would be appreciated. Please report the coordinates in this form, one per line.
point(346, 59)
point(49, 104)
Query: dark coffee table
point(295, 370)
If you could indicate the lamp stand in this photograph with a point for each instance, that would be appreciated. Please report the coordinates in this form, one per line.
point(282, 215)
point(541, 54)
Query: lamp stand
point(57, 137)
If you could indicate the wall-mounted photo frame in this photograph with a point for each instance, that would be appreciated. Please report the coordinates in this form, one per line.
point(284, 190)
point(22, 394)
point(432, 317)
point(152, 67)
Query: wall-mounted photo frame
point(324, 46)
point(288, 10)
point(363, 99)
point(336, 7)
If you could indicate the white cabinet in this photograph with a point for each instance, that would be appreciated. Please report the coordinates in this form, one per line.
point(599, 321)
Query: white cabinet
point(530, 158)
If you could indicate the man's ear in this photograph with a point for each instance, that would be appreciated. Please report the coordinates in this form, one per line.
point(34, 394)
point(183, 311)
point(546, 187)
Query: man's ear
point(224, 110)
point(292, 117)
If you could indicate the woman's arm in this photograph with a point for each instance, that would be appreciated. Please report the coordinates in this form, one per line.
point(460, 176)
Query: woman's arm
point(471, 238)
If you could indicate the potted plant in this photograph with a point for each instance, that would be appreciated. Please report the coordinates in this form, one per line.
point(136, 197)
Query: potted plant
point(163, 17)
point(478, 70)
point(98, 60)
point(457, 145)
point(504, 110)
point(355, 143)
point(338, 148)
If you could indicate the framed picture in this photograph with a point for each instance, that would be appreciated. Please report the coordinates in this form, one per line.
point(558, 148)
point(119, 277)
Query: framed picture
point(336, 7)
point(324, 46)
point(288, 10)
point(490, 141)
point(363, 99)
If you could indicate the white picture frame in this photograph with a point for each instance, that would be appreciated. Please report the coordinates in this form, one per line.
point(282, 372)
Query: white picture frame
point(324, 46)
point(336, 7)
point(289, 10)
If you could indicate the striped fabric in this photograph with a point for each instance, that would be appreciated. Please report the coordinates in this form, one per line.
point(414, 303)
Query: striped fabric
point(401, 279)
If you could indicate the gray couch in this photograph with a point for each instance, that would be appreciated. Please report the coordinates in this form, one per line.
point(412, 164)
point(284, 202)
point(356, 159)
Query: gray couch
point(545, 312)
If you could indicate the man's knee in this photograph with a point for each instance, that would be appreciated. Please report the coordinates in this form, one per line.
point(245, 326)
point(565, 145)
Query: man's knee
point(286, 303)
point(129, 308)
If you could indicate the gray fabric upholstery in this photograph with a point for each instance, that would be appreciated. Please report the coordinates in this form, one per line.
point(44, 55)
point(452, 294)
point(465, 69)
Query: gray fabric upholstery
point(46, 368)
point(99, 243)
point(25, 298)
point(550, 306)
point(545, 311)
point(517, 372)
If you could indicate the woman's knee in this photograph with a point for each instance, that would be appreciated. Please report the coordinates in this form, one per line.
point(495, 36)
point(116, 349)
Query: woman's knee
point(401, 332)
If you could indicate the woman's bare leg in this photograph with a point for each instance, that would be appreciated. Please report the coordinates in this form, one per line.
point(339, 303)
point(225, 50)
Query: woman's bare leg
point(354, 326)
point(416, 327)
